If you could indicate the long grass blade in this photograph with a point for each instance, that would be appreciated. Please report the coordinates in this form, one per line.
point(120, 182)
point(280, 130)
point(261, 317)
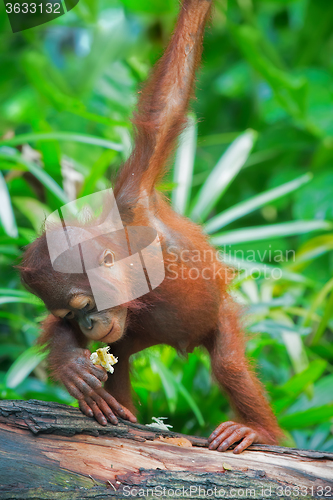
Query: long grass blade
point(222, 175)
point(18, 162)
point(248, 206)
point(23, 366)
point(61, 136)
point(271, 231)
point(7, 217)
point(183, 169)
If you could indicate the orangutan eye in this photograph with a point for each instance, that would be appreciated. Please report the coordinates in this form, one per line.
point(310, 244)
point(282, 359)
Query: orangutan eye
point(82, 302)
point(63, 313)
point(107, 258)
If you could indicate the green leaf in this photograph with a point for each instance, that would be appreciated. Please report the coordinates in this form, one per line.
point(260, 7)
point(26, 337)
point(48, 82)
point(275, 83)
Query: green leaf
point(7, 217)
point(248, 206)
point(8, 295)
point(183, 169)
point(298, 383)
point(11, 351)
point(296, 350)
point(328, 312)
point(319, 300)
point(19, 163)
point(62, 136)
point(50, 150)
point(29, 235)
point(46, 180)
point(172, 387)
point(275, 328)
point(9, 250)
point(265, 270)
point(34, 210)
point(313, 248)
point(157, 7)
point(23, 366)
point(97, 171)
point(271, 231)
point(222, 175)
point(15, 293)
point(290, 91)
point(51, 84)
point(302, 419)
point(235, 82)
point(217, 139)
point(16, 318)
point(192, 404)
point(168, 382)
point(310, 42)
point(322, 395)
point(314, 201)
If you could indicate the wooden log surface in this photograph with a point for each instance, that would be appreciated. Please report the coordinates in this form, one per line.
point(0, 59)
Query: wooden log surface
point(53, 451)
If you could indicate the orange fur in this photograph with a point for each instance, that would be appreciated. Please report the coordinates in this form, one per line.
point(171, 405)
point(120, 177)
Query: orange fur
point(182, 312)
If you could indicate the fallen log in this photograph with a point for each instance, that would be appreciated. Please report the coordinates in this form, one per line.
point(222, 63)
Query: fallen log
point(53, 451)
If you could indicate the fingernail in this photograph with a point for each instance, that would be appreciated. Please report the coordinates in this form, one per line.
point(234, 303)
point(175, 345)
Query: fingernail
point(103, 421)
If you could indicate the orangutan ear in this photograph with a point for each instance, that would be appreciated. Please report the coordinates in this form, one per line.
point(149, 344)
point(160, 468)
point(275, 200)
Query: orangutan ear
point(107, 258)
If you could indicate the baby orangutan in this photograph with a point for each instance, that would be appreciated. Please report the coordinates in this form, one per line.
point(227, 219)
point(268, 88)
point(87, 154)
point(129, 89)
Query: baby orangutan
point(183, 313)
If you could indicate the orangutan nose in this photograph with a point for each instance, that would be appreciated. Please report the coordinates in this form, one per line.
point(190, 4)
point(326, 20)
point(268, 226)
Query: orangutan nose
point(86, 322)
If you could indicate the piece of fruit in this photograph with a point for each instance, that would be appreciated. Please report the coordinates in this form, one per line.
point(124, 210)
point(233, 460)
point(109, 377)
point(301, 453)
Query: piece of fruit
point(102, 358)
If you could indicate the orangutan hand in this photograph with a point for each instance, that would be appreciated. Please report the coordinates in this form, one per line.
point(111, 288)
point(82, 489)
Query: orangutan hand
point(229, 433)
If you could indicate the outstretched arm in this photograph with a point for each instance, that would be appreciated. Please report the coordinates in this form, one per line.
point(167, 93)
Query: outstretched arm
point(163, 103)
point(230, 367)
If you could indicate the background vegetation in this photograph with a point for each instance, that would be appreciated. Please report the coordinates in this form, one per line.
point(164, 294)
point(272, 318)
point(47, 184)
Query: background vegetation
point(255, 166)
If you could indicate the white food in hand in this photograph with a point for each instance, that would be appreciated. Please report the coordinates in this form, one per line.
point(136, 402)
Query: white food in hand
point(102, 358)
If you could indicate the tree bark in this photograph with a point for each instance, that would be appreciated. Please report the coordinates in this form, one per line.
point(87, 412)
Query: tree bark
point(52, 451)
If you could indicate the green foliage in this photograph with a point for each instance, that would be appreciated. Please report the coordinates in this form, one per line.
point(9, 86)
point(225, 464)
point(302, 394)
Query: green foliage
point(254, 167)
